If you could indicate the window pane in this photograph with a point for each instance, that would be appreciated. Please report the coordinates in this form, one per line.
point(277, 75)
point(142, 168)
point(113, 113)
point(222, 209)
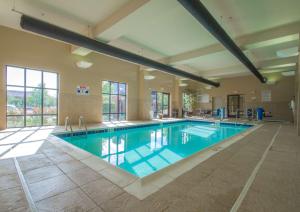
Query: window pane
point(105, 87)
point(122, 117)
point(114, 103)
point(114, 88)
point(105, 117)
point(166, 99)
point(113, 117)
point(15, 76)
point(15, 101)
point(49, 120)
point(15, 121)
point(166, 110)
point(153, 102)
point(159, 102)
point(50, 101)
point(32, 94)
point(122, 88)
point(33, 121)
point(33, 101)
point(122, 104)
point(50, 80)
point(33, 78)
point(105, 103)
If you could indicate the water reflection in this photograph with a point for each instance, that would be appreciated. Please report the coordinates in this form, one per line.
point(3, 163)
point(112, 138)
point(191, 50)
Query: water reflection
point(145, 150)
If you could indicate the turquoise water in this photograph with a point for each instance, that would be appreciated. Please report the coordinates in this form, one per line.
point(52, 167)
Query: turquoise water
point(142, 151)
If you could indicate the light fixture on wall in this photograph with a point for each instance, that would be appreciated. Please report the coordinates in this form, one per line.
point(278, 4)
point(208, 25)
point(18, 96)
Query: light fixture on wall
point(182, 84)
point(149, 77)
point(83, 64)
point(271, 82)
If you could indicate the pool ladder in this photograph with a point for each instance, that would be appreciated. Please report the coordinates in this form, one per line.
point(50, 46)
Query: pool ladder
point(82, 123)
point(68, 124)
point(217, 123)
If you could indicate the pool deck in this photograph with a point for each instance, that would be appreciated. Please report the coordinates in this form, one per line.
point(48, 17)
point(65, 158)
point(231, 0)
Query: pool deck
point(260, 172)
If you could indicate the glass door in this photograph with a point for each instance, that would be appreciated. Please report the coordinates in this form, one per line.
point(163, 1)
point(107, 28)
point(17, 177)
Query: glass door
point(233, 105)
point(165, 104)
point(160, 104)
point(114, 102)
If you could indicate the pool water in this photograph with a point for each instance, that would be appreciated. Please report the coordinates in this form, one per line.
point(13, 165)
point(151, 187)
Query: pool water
point(143, 151)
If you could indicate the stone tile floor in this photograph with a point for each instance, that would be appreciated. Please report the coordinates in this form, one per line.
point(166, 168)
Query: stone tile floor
point(59, 182)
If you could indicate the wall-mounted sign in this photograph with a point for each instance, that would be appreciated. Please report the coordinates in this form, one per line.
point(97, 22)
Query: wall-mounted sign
point(82, 90)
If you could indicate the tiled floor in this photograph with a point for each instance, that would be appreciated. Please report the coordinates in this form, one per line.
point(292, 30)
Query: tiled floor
point(58, 181)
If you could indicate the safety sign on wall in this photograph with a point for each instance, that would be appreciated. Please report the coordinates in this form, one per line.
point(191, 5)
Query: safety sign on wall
point(83, 90)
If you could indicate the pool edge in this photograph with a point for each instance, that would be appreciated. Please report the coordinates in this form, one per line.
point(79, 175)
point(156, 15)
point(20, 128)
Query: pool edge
point(143, 187)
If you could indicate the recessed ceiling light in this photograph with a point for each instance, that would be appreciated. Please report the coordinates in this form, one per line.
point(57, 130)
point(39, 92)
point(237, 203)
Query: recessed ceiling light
point(288, 73)
point(83, 64)
point(279, 66)
point(149, 77)
point(288, 52)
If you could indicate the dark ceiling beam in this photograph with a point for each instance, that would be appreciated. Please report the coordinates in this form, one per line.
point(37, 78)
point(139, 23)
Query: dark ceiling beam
point(198, 10)
point(58, 33)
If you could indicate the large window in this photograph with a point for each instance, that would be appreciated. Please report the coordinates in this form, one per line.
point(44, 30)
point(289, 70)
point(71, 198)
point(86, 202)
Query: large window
point(113, 101)
point(31, 97)
point(160, 104)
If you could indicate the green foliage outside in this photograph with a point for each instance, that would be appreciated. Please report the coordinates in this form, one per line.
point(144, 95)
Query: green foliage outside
point(189, 101)
point(15, 106)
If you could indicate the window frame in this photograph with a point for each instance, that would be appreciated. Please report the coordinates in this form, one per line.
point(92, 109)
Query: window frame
point(156, 112)
point(24, 87)
point(110, 94)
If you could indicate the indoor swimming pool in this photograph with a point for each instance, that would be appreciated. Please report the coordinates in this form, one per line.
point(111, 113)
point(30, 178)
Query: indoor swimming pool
point(143, 150)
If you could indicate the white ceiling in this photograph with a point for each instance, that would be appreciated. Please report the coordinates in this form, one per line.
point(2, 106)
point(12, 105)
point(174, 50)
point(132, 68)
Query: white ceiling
point(164, 26)
point(249, 16)
point(164, 29)
point(89, 12)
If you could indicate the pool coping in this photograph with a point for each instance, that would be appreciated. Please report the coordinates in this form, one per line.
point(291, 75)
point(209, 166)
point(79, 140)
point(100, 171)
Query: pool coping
point(105, 129)
point(143, 187)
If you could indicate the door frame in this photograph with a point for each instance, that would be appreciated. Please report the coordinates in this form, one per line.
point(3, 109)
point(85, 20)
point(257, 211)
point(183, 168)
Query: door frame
point(156, 105)
point(239, 98)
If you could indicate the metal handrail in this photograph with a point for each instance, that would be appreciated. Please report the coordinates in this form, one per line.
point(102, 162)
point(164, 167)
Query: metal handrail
point(68, 123)
point(82, 122)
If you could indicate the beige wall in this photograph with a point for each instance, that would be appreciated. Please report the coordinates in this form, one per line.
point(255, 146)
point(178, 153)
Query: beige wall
point(162, 83)
point(32, 51)
point(28, 50)
point(297, 99)
point(281, 93)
